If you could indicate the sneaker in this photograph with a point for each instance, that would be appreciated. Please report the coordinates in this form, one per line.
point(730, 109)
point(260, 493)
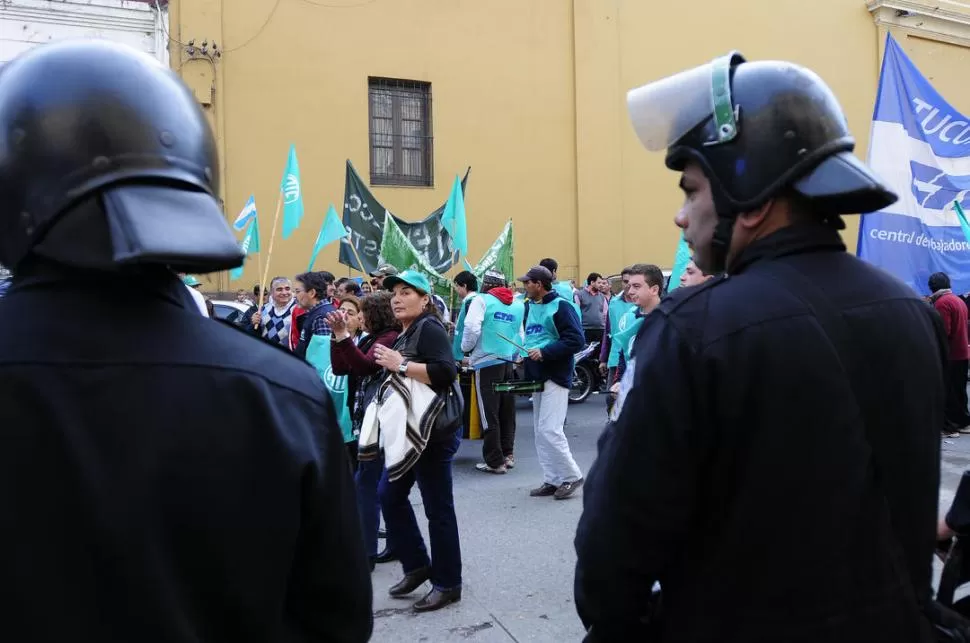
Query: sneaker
point(510, 461)
point(568, 489)
point(545, 490)
point(484, 468)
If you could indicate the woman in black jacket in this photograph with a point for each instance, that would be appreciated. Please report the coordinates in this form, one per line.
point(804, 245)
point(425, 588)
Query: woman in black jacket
point(425, 341)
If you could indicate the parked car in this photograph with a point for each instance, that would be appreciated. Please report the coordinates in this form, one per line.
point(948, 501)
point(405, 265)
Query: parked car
point(230, 311)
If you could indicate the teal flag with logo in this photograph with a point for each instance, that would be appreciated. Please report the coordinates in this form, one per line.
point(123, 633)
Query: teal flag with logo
point(332, 230)
point(250, 243)
point(681, 259)
point(453, 218)
point(318, 355)
point(292, 190)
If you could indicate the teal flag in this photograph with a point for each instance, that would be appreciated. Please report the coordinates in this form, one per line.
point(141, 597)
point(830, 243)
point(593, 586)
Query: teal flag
point(331, 230)
point(292, 190)
point(681, 259)
point(250, 243)
point(453, 218)
point(318, 355)
point(964, 225)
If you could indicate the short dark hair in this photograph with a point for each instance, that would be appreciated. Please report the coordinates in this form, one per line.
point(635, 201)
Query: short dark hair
point(377, 312)
point(593, 276)
point(550, 264)
point(467, 279)
point(315, 281)
point(341, 281)
point(349, 286)
point(626, 270)
point(328, 276)
point(349, 299)
point(256, 290)
point(652, 274)
point(939, 281)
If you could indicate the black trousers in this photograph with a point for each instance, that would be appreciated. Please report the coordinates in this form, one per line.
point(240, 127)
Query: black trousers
point(593, 335)
point(497, 412)
point(956, 393)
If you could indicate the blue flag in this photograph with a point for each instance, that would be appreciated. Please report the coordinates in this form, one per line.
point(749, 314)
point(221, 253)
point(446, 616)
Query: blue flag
point(920, 146)
point(681, 259)
point(247, 214)
point(250, 243)
point(453, 218)
point(331, 230)
point(292, 190)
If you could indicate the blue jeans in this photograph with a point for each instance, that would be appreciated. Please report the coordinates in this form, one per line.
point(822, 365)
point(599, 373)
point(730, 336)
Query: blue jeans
point(368, 477)
point(432, 472)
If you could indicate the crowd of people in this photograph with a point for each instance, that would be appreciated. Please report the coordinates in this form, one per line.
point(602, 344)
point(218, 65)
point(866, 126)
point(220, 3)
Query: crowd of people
point(770, 471)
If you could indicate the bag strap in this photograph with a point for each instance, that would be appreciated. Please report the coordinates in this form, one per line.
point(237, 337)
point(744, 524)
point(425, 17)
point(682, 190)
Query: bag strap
point(837, 331)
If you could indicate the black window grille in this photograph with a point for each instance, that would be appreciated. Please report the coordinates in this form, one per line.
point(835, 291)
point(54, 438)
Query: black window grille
point(401, 140)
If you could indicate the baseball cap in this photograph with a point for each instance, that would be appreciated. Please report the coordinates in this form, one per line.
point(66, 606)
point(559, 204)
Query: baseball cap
point(538, 273)
point(191, 281)
point(385, 270)
point(412, 278)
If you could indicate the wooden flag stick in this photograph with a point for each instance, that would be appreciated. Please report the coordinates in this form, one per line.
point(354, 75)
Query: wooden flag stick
point(353, 248)
point(272, 238)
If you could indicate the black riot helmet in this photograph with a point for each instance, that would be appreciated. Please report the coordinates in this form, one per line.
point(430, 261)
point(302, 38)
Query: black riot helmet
point(106, 159)
point(757, 130)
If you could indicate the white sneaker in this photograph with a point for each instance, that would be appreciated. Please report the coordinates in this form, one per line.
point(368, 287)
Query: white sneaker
point(484, 468)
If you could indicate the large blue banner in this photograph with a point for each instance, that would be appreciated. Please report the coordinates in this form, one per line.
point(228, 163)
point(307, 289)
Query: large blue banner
point(919, 145)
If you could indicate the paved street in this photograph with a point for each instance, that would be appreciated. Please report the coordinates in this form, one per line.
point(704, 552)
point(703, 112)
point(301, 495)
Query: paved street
point(517, 551)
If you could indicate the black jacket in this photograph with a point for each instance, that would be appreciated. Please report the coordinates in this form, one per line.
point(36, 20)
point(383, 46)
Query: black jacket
point(741, 476)
point(165, 477)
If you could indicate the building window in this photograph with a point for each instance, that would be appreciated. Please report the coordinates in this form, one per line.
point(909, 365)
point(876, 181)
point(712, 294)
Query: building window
point(401, 140)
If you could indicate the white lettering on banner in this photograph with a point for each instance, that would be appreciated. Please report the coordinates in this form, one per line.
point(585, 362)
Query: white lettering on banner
point(921, 240)
point(291, 189)
point(943, 127)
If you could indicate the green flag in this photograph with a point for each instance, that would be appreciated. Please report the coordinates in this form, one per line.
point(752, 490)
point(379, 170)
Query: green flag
point(292, 190)
point(331, 230)
point(681, 259)
point(250, 243)
point(397, 250)
point(499, 256)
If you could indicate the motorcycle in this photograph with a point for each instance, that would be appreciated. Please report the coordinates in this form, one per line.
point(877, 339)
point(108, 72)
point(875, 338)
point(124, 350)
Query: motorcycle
point(586, 374)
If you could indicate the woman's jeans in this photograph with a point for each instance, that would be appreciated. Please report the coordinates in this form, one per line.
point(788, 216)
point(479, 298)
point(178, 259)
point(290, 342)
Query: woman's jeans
point(368, 477)
point(432, 472)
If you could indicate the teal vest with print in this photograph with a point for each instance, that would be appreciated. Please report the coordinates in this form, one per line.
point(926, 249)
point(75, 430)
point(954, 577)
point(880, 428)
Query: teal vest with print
point(460, 328)
point(501, 319)
point(540, 327)
point(629, 325)
point(618, 308)
point(566, 292)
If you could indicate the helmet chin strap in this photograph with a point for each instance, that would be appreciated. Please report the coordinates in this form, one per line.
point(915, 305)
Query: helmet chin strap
point(721, 240)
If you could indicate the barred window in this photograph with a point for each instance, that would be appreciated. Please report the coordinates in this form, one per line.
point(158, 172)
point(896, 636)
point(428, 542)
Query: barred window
point(401, 141)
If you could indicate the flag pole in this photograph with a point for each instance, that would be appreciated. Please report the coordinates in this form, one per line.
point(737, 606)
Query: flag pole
point(353, 248)
point(272, 238)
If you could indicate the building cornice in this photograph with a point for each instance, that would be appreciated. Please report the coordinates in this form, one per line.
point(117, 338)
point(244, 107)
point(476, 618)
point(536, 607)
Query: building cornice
point(133, 17)
point(945, 20)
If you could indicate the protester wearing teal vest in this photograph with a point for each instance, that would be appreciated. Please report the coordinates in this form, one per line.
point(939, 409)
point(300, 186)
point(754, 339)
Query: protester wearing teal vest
point(553, 334)
point(646, 282)
point(562, 288)
point(466, 284)
point(490, 333)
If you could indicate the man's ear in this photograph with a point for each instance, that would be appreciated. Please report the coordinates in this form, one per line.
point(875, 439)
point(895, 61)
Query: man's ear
point(755, 218)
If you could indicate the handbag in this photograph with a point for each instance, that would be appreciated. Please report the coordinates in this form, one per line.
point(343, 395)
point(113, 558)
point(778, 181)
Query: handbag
point(452, 402)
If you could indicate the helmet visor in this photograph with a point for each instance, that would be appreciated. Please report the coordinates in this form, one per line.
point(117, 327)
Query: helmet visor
point(665, 110)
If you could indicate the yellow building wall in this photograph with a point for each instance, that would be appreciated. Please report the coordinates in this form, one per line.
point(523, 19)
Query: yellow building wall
point(529, 93)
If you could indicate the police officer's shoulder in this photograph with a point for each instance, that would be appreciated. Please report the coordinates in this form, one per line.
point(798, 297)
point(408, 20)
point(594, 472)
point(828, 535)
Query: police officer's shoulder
point(243, 351)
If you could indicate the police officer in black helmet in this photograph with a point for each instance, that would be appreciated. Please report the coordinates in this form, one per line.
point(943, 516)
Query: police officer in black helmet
point(777, 469)
point(162, 478)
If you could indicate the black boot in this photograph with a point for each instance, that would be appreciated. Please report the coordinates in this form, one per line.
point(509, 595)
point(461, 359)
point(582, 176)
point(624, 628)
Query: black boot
point(410, 582)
